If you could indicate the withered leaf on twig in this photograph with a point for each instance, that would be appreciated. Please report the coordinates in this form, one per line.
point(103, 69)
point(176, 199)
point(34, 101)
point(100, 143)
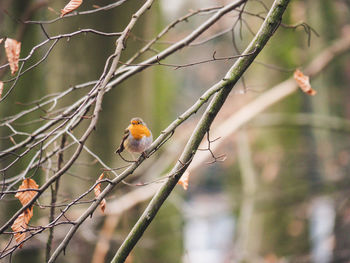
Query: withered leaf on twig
point(21, 223)
point(71, 6)
point(18, 226)
point(303, 82)
point(26, 196)
point(12, 49)
point(184, 180)
point(97, 191)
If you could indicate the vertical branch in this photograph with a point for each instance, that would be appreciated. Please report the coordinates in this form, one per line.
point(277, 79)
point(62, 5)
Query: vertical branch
point(267, 29)
point(54, 192)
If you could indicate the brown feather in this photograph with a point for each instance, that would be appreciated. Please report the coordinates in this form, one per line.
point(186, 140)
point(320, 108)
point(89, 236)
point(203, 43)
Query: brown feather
point(121, 146)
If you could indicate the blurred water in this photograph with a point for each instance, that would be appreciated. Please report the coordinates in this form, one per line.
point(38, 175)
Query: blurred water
point(209, 228)
point(322, 220)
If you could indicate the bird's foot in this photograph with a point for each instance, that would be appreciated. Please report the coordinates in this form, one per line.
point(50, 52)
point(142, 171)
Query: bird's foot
point(126, 160)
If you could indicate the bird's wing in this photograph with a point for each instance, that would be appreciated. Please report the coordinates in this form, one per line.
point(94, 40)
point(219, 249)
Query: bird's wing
point(121, 146)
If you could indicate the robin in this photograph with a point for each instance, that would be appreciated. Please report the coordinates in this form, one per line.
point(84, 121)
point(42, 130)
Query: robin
point(137, 137)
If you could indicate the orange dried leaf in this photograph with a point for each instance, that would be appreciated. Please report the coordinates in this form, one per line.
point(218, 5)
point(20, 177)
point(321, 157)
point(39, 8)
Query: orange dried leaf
point(97, 191)
point(71, 6)
point(21, 222)
point(20, 225)
point(184, 180)
point(12, 49)
point(303, 82)
point(26, 196)
point(1, 88)
point(103, 205)
point(28, 214)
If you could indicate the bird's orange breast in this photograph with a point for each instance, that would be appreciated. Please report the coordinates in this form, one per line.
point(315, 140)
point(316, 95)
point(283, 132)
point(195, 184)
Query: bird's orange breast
point(138, 131)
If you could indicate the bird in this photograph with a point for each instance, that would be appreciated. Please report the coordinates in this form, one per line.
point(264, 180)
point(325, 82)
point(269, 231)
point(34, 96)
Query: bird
point(137, 137)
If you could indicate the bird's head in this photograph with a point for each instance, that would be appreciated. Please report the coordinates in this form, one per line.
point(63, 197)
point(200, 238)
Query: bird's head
point(137, 121)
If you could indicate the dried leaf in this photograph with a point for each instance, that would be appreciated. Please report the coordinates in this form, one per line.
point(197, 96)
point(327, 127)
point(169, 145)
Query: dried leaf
point(1, 88)
point(26, 196)
point(97, 191)
point(28, 214)
point(184, 180)
point(21, 222)
point(71, 6)
point(103, 205)
point(19, 225)
point(13, 49)
point(303, 82)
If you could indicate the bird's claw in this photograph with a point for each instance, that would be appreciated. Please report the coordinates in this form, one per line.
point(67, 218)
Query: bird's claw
point(144, 155)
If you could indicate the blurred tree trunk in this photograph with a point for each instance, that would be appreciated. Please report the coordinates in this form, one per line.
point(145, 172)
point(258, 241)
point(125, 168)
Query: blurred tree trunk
point(250, 222)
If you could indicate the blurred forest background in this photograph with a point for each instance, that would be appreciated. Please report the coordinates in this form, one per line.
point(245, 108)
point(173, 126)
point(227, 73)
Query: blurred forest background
point(279, 190)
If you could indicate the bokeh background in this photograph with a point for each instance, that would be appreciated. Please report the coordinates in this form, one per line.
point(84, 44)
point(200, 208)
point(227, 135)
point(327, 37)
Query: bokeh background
point(280, 190)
